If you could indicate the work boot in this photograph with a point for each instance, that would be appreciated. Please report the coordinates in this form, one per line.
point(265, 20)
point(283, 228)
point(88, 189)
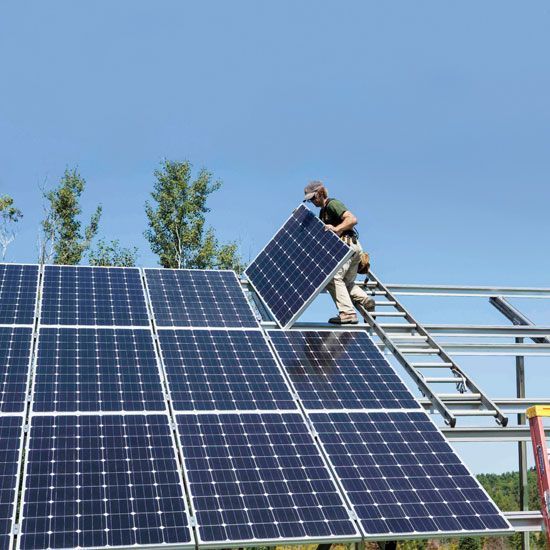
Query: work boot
point(369, 307)
point(343, 319)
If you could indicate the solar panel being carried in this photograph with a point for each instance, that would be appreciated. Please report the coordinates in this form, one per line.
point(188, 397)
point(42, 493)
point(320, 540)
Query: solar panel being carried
point(258, 479)
point(401, 477)
point(18, 292)
point(198, 298)
point(222, 370)
point(98, 481)
point(93, 296)
point(296, 265)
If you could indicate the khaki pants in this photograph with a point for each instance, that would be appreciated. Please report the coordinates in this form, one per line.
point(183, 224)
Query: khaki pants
point(343, 289)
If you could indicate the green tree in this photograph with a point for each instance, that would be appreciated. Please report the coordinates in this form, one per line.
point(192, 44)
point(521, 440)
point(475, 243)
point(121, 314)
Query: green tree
point(9, 217)
point(177, 229)
point(469, 543)
point(112, 254)
point(62, 239)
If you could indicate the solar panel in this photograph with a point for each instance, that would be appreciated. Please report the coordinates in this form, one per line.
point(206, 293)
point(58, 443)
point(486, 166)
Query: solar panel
point(15, 354)
point(97, 481)
point(18, 290)
point(340, 370)
point(10, 436)
point(222, 370)
point(97, 370)
point(198, 298)
point(296, 265)
point(403, 478)
point(93, 296)
point(256, 478)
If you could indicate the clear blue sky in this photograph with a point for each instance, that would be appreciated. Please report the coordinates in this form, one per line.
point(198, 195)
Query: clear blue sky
point(429, 119)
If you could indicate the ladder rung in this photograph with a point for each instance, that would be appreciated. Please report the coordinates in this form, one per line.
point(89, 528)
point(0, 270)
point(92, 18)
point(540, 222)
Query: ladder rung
point(475, 413)
point(420, 351)
point(459, 396)
point(428, 365)
point(447, 380)
point(397, 325)
point(389, 303)
point(400, 336)
point(388, 314)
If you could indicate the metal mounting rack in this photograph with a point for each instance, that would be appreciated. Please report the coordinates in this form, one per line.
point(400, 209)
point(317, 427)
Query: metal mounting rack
point(451, 405)
point(410, 340)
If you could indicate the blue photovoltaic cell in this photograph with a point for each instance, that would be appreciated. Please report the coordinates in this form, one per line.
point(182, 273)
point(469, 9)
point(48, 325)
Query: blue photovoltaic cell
point(198, 298)
point(95, 481)
point(18, 288)
point(292, 269)
point(223, 370)
point(10, 438)
point(259, 477)
point(340, 370)
point(402, 477)
point(96, 370)
point(93, 296)
point(15, 352)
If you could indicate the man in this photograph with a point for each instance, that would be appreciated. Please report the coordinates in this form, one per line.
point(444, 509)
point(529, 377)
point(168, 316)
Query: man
point(342, 288)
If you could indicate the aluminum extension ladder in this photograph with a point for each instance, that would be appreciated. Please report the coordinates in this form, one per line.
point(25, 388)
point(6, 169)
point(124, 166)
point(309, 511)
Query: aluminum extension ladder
point(410, 342)
point(540, 452)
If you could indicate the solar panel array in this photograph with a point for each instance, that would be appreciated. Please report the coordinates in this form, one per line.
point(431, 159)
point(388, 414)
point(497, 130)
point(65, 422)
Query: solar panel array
point(198, 298)
point(296, 265)
point(18, 294)
point(398, 472)
point(161, 413)
point(18, 303)
point(91, 296)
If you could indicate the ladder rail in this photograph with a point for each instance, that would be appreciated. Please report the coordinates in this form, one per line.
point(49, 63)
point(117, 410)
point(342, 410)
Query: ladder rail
point(462, 377)
point(540, 453)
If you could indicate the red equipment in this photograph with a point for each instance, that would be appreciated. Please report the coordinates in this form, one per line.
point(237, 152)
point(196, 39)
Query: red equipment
point(540, 451)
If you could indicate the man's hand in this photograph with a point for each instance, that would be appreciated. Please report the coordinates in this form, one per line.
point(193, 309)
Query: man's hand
point(329, 227)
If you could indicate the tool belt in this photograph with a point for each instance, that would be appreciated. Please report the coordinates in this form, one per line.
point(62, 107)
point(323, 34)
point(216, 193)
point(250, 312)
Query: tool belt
point(364, 263)
point(349, 239)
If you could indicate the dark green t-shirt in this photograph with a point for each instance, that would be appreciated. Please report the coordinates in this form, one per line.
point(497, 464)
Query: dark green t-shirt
point(331, 214)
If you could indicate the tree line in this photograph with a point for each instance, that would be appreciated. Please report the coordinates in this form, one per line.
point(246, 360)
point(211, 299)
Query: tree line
point(176, 214)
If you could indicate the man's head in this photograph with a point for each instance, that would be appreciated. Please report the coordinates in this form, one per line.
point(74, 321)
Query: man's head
point(315, 192)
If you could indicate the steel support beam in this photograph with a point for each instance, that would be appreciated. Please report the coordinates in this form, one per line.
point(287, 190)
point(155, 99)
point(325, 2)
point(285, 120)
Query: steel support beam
point(526, 521)
point(457, 290)
point(503, 435)
point(480, 331)
point(466, 348)
point(510, 405)
point(515, 316)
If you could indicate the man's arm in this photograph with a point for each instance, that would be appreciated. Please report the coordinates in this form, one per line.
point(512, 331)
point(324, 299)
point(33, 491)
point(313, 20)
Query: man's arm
point(349, 221)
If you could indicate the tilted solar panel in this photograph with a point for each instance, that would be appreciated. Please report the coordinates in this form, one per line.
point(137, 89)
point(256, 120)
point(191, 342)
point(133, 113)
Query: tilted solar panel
point(296, 265)
point(18, 291)
point(256, 478)
point(340, 370)
point(15, 356)
point(198, 298)
point(222, 370)
point(93, 296)
point(91, 369)
point(403, 478)
point(98, 481)
point(10, 437)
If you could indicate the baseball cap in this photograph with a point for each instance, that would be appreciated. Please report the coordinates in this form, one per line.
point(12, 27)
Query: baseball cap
point(311, 188)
